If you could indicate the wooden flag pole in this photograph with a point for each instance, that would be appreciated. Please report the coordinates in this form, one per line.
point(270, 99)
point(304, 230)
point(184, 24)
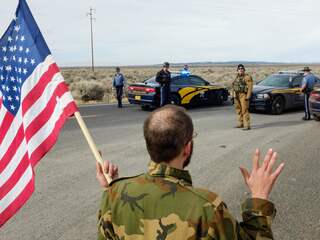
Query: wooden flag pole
point(92, 145)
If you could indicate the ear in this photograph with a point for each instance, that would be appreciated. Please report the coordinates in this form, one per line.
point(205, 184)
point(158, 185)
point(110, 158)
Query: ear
point(187, 149)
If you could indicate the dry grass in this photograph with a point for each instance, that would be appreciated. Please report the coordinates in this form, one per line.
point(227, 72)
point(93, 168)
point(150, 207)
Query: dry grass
point(85, 88)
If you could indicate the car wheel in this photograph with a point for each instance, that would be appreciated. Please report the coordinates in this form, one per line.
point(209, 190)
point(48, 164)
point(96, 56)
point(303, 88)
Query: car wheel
point(145, 107)
point(175, 99)
point(219, 98)
point(277, 105)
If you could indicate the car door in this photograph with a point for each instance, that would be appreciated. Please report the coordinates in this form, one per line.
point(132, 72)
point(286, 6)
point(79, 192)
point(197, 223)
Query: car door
point(202, 92)
point(298, 97)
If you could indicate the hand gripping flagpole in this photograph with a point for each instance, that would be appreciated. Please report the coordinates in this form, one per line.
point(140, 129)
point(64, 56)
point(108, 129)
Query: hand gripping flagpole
point(91, 143)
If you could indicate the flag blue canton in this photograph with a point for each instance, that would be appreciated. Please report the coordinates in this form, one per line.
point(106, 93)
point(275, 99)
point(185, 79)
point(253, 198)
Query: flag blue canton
point(22, 48)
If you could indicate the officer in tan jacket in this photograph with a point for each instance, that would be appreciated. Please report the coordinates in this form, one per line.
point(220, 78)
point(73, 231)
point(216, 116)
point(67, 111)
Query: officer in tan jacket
point(242, 90)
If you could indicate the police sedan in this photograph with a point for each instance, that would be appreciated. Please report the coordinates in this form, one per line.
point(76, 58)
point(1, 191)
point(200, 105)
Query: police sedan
point(189, 90)
point(278, 92)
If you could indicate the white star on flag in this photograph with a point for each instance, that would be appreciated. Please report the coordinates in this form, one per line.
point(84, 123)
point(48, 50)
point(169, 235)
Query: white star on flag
point(17, 28)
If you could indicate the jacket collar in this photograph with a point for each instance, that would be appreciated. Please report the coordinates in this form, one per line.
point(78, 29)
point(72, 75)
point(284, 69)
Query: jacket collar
point(165, 171)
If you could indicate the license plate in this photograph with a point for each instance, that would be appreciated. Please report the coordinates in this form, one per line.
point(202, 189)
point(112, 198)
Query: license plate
point(137, 97)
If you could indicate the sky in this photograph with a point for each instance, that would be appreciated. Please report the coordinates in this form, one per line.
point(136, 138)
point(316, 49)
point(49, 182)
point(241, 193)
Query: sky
point(143, 32)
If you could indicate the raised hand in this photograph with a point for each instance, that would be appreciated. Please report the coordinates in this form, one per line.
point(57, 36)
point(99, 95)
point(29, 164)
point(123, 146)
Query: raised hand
point(261, 179)
point(108, 168)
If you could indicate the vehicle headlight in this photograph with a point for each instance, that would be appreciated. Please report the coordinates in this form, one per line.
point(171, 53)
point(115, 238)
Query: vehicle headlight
point(263, 96)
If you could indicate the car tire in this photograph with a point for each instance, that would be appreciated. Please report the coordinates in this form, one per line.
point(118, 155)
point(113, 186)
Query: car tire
point(219, 98)
point(277, 105)
point(175, 99)
point(145, 107)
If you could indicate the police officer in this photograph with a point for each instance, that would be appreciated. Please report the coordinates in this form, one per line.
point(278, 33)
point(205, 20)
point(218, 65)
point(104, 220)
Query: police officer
point(242, 88)
point(185, 72)
point(307, 86)
point(163, 204)
point(119, 83)
point(163, 77)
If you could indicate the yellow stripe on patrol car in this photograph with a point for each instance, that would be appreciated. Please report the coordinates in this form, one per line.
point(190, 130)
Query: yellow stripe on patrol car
point(289, 90)
point(188, 93)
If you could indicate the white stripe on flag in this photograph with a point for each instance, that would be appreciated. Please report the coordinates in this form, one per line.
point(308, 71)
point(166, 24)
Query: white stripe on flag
point(42, 102)
point(14, 163)
point(11, 134)
point(3, 111)
point(16, 190)
point(33, 79)
point(48, 127)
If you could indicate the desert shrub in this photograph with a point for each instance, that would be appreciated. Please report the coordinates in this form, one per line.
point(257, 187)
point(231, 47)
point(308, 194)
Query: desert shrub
point(87, 90)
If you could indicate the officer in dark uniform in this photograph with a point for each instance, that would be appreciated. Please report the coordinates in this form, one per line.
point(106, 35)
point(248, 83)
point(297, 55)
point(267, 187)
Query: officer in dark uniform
point(307, 86)
point(163, 77)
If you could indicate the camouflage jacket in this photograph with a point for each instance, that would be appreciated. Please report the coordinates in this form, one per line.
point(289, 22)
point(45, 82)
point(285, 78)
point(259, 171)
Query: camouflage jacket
point(162, 204)
point(243, 84)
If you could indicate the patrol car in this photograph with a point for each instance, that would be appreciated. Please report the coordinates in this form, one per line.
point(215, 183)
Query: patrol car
point(278, 92)
point(185, 90)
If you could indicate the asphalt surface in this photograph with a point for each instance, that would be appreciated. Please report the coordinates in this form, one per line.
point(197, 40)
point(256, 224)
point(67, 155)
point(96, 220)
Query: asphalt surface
point(65, 202)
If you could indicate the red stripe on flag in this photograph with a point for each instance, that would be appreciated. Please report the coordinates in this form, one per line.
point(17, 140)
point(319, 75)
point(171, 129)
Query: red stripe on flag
point(14, 178)
point(12, 149)
point(38, 89)
point(18, 202)
point(47, 144)
point(6, 123)
point(46, 113)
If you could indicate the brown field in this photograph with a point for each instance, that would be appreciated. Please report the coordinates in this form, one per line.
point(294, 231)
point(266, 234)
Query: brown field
point(84, 86)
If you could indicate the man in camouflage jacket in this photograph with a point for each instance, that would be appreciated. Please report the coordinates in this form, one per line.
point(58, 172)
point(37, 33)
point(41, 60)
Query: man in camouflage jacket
point(163, 204)
point(242, 90)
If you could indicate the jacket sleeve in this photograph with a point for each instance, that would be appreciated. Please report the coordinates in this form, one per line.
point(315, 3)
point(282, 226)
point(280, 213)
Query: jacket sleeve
point(249, 83)
point(257, 215)
point(105, 227)
point(158, 77)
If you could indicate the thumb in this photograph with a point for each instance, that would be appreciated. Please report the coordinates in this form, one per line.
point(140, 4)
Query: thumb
point(245, 174)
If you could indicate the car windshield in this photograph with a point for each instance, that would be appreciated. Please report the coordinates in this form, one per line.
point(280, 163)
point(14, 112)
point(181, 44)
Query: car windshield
point(150, 80)
point(275, 81)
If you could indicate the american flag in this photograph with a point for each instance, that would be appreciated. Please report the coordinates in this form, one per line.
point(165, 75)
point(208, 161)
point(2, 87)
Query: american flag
point(34, 104)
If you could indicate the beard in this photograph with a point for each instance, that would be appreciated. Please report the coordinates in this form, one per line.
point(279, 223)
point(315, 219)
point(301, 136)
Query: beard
point(188, 159)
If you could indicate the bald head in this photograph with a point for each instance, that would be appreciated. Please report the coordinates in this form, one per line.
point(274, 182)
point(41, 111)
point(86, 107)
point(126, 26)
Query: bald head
point(166, 132)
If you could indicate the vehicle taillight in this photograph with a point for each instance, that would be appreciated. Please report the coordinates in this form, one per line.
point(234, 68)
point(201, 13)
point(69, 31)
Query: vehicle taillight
point(130, 88)
point(150, 90)
point(315, 96)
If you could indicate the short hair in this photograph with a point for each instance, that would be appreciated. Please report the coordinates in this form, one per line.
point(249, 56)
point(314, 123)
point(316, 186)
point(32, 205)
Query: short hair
point(166, 64)
point(166, 131)
point(117, 69)
point(241, 66)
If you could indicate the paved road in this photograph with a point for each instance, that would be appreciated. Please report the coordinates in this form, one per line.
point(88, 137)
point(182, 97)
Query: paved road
point(66, 199)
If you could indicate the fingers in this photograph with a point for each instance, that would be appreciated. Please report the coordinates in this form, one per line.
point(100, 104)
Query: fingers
point(277, 172)
point(106, 166)
point(255, 160)
point(245, 174)
point(271, 162)
point(98, 168)
point(267, 159)
point(113, 170)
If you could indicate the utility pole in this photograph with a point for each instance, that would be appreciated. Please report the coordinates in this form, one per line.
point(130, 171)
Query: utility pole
point(90, 14)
